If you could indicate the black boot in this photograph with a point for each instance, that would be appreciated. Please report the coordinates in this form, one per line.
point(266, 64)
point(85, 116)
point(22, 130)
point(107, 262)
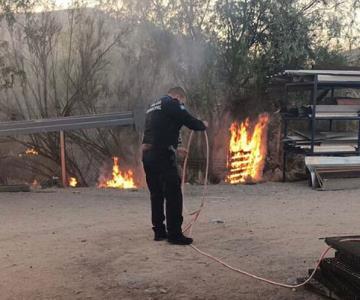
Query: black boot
point(160, 234)
point(180, 239)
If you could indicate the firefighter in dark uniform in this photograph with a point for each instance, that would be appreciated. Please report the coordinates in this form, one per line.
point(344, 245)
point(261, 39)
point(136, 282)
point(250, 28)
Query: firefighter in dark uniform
point(164, 119)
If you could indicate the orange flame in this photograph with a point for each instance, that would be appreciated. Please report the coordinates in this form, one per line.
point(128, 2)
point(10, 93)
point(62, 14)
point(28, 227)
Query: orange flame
point(247, 152)
point(73, 182)
point(120, 180)
point(31, 151)
point(35, 184)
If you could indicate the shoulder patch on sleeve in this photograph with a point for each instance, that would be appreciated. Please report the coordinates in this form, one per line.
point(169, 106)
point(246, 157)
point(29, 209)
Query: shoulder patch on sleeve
point(154, 106)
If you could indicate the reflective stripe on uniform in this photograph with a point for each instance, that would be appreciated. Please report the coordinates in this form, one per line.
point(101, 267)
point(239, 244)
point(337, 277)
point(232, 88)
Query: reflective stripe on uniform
point(154, 106)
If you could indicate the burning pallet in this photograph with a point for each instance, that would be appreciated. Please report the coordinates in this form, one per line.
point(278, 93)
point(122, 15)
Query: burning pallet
point(247, 150)
point(339, 277)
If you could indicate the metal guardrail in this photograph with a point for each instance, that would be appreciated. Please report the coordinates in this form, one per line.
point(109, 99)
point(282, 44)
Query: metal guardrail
point(66, 123)
point(61, 124)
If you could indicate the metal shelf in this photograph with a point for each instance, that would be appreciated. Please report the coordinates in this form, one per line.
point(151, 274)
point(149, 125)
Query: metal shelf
point(309, 118)
point(316, 81)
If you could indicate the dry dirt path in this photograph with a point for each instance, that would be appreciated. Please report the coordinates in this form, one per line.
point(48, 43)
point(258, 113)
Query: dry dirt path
point(97, 244)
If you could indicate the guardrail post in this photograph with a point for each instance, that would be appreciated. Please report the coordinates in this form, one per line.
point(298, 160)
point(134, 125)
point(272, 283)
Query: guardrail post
point(62, 158)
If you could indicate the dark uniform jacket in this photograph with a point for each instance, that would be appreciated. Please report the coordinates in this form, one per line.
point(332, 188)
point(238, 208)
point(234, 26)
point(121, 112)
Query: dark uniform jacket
point(164, 119)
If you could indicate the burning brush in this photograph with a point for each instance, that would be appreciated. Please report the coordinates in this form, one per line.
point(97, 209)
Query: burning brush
point(73, 182)
point(119, 179)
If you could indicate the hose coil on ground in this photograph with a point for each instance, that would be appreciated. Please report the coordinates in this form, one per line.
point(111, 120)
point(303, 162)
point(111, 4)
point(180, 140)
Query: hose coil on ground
point(195, 216)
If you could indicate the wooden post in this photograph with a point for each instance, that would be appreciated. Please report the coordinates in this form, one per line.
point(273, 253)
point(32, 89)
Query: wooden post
point(62, 157)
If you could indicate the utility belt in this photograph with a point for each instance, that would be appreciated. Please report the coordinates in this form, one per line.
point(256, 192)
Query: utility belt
point(148, 147)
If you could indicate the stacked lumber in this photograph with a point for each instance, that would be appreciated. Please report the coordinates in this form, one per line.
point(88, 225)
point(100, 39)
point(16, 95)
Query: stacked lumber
point(324, 141)
point(337, 111)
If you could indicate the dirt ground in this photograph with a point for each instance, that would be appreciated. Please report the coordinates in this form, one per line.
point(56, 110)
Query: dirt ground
point(97, 244)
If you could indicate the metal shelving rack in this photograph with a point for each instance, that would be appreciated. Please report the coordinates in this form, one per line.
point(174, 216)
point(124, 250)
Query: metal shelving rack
point(319, 83)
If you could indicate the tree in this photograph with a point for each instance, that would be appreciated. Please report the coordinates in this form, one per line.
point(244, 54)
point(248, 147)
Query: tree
point(8, 9)
point(124, 53)
point(243, 43)
point(62, 81)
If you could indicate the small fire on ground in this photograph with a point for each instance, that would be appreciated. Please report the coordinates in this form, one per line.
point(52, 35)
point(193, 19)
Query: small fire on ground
point(247, 150)
point(35, 184)
point(73, 182)
point(31, 151)
point(119, 179)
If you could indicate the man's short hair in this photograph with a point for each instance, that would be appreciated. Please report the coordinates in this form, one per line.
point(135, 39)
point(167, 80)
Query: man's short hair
point(178, 91)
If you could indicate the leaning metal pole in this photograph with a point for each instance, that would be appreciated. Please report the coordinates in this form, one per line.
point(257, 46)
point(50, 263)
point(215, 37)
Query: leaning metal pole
point(62, 158)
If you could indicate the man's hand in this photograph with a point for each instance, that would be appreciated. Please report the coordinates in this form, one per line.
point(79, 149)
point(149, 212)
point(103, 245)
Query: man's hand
point(182, 151)
point(206, 124)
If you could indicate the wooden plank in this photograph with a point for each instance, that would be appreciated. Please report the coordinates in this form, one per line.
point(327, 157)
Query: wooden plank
point(342, 174)
point(340, 136)
point(299, 135)
point(335, 148)
point(307, 135)
point(331, 161)
point(323, 72)
point(337, 111)
point(339, 143)
point(338, 170)
point(336, 115)
point(348, 101)
point(331, 148)
point(296, 137)
point(335, 184)
point(337, 108)
point(334, 173)
point(339, 78)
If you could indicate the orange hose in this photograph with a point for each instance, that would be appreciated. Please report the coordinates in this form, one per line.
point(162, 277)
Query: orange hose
point(195, 215)
point(262, 278)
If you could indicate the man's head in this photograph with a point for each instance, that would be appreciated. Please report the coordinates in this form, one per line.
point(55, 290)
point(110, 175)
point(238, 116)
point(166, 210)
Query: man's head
point(177, 93)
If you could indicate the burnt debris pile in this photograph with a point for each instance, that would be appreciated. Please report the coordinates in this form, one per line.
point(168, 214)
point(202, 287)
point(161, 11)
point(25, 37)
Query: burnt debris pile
point(339, 277)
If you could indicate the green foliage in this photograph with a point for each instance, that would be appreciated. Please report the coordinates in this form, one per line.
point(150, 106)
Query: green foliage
point(259, 38)
point(327, 58)
point(251, 39)
point(8, 8)
point(222, 51)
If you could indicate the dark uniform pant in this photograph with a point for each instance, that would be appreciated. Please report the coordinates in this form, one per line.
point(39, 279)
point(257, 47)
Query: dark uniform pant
point(164, 183)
